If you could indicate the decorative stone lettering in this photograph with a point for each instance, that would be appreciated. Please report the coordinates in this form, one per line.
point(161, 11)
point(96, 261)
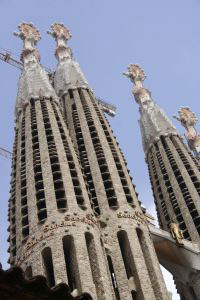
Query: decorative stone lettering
point(137, 215)
point(49, 230)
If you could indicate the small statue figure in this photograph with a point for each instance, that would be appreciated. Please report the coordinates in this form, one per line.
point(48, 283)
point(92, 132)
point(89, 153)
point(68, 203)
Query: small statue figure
point(176, 232)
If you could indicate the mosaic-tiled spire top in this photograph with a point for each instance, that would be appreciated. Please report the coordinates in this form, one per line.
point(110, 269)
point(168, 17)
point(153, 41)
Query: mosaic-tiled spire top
point(68, 74)
point(188, 120)
point(34, 81)
point(153, 121)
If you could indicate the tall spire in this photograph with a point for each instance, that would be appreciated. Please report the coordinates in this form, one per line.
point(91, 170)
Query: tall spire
point(68, 74)
point(153, 121)
point(34, 81)
point(188, 119)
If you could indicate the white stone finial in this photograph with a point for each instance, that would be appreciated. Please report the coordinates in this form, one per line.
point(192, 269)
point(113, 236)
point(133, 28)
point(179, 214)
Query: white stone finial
point(136, 74)
point(61, 35)
point(30, 35)
point(186, 117)
point(188, 120)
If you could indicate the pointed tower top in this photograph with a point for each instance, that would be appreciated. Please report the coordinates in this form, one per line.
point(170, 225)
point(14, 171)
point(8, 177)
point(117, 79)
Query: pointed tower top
point(61, 34)
point(34, 81)
point(30, 35)
point(59, 31)
point(136, 74)
point(68, 74)
point(188, 119)
point(153, 120)
point(27, 32)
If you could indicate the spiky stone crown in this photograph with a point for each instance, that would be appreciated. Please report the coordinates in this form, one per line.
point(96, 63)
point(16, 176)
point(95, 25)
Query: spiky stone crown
point(60, 31)
point(27, 31)
point(135, 73)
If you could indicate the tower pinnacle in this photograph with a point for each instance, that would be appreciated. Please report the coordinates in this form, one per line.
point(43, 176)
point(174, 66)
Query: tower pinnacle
point(61, 35)
point(68, 74)
point(34, 81)
point(30, 36)
point(136, 74)
point(153, 121)
point(188, 119)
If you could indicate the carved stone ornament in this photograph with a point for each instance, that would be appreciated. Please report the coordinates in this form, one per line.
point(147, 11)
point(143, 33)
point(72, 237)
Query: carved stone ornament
point(61, 35)
point(188, 120)
point(34, 82)
point(68, 74)
point(30, 35)
point(135, 73)
point(28, 32)
point(186, 117)
point(59, 31)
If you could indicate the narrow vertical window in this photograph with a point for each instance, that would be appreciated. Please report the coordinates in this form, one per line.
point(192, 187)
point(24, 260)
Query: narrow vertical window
point(113, 277)
point(126, 253)
point(71, 262)
point(48, 266)
point(127, 259)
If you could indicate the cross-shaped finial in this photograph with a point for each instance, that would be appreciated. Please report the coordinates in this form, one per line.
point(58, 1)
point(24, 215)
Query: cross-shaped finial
point(136, 74)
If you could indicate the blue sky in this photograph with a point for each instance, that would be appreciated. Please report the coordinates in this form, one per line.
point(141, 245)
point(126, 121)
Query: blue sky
point(162, 36)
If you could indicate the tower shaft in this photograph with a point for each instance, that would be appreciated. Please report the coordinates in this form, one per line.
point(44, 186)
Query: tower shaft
point(131, 257)
point(53, 230)
point(174, 175)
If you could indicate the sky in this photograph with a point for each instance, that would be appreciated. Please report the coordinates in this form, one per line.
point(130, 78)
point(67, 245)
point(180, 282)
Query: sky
point(162, 36)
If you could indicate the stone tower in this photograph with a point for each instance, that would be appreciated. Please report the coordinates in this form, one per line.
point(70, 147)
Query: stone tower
point(174, 171)
point(131, 257)
point(53, 230)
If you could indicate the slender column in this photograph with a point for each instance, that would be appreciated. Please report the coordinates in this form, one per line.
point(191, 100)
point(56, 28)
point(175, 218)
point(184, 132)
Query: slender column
point(58, 260)
point(120, 273)
point(152, 265)
point(84, 267)
point(146, 291)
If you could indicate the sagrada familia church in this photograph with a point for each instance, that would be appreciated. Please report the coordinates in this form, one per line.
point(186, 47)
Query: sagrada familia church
point(77, 229)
